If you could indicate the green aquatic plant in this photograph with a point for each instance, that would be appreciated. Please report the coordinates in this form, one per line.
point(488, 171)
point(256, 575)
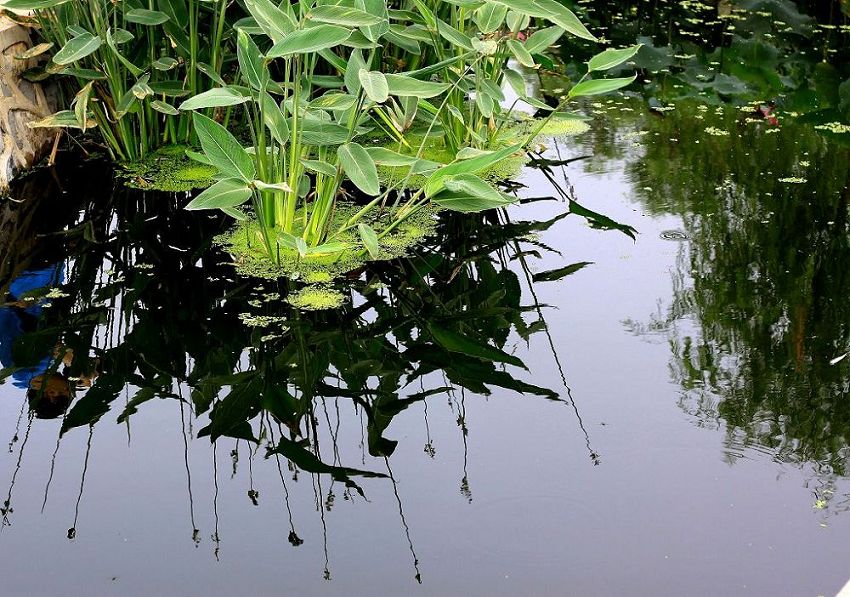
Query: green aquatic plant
point(478, 47)
point(309, 143)
point(127, 62)
point(246, 244)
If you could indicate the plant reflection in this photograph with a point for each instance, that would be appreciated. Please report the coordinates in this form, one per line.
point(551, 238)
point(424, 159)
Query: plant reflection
point(149, 309)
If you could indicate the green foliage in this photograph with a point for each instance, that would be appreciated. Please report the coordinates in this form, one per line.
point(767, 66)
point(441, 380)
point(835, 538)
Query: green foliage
point(313, 82)
point(131, 62)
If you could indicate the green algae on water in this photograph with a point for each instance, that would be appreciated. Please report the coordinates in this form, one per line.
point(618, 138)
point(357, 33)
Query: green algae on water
point(168, 169)
point(246, 244)
point(316, 297)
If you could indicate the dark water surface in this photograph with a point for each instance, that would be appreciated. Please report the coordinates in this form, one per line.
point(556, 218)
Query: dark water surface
point(684, 428)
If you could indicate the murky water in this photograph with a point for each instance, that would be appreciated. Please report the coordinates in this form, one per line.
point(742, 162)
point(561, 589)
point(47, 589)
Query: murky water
point(683, 427)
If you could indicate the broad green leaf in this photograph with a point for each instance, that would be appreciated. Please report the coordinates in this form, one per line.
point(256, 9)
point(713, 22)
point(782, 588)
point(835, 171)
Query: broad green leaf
point(211, 73)
point(113, 40)
point(63, 119)
point(165, 63)
point(374, 85)
point(454, 342)
point(551, 10)
point(251, 61)
point(471, 166)
point(360, 168)
point(276, 22)
point(342, 15)
point(490, 17)
point(320, 167)
point(81, 105)
point(199, 157)
point(478, 193)
point(230, 192)
point(543, 39)
point(31, 4)
point(83, 73)
point(516, 81)
point(221, 96)
point(404, 86)
point(453, 36)
point(77, 48)
point(520, 53)
point(165, 108)
point(330, 248)
point(334, 101)
point(352, 72)
point(274, 118)
point(388, 157)
point(599, 86)
point(304, 41)
point(319, 133)
point(378, 8)
point(223, 150)
point(143, 16)
point(235, 213)
point(370, 240)
point(611, 58)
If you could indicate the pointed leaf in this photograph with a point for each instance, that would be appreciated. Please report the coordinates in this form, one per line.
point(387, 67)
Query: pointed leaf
point(220, 96)
point(230, 192)
point(304, 41)
point(374, 85)
point(611, 58)
point(599, 86)
point(360, 168)
point(370, 239)
point(77, 48)
point(223, 150)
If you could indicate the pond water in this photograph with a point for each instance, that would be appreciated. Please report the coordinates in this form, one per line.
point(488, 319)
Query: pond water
point(667, 413)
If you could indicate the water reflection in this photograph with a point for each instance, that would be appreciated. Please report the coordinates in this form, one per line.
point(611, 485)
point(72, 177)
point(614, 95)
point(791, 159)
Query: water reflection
point(140, 306)
point(758, 326)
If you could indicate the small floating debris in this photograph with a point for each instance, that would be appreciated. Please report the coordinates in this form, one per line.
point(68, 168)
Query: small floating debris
point(837, 360)
point(793, 180)
point(675, 235)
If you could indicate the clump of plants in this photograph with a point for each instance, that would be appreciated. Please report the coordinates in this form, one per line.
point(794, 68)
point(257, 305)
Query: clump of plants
point(127, 63)
point(326, 95)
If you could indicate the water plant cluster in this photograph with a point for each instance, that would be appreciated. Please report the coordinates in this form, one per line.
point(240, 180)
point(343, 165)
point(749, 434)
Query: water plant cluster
point(296, 106)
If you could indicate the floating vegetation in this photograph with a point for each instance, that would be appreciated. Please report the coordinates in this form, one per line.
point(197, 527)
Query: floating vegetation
point(316, 297)
point(835, 128)
point(245, 243)
point(260, 321)
point(168, 169)
point(564, 127)
point(716, 132)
